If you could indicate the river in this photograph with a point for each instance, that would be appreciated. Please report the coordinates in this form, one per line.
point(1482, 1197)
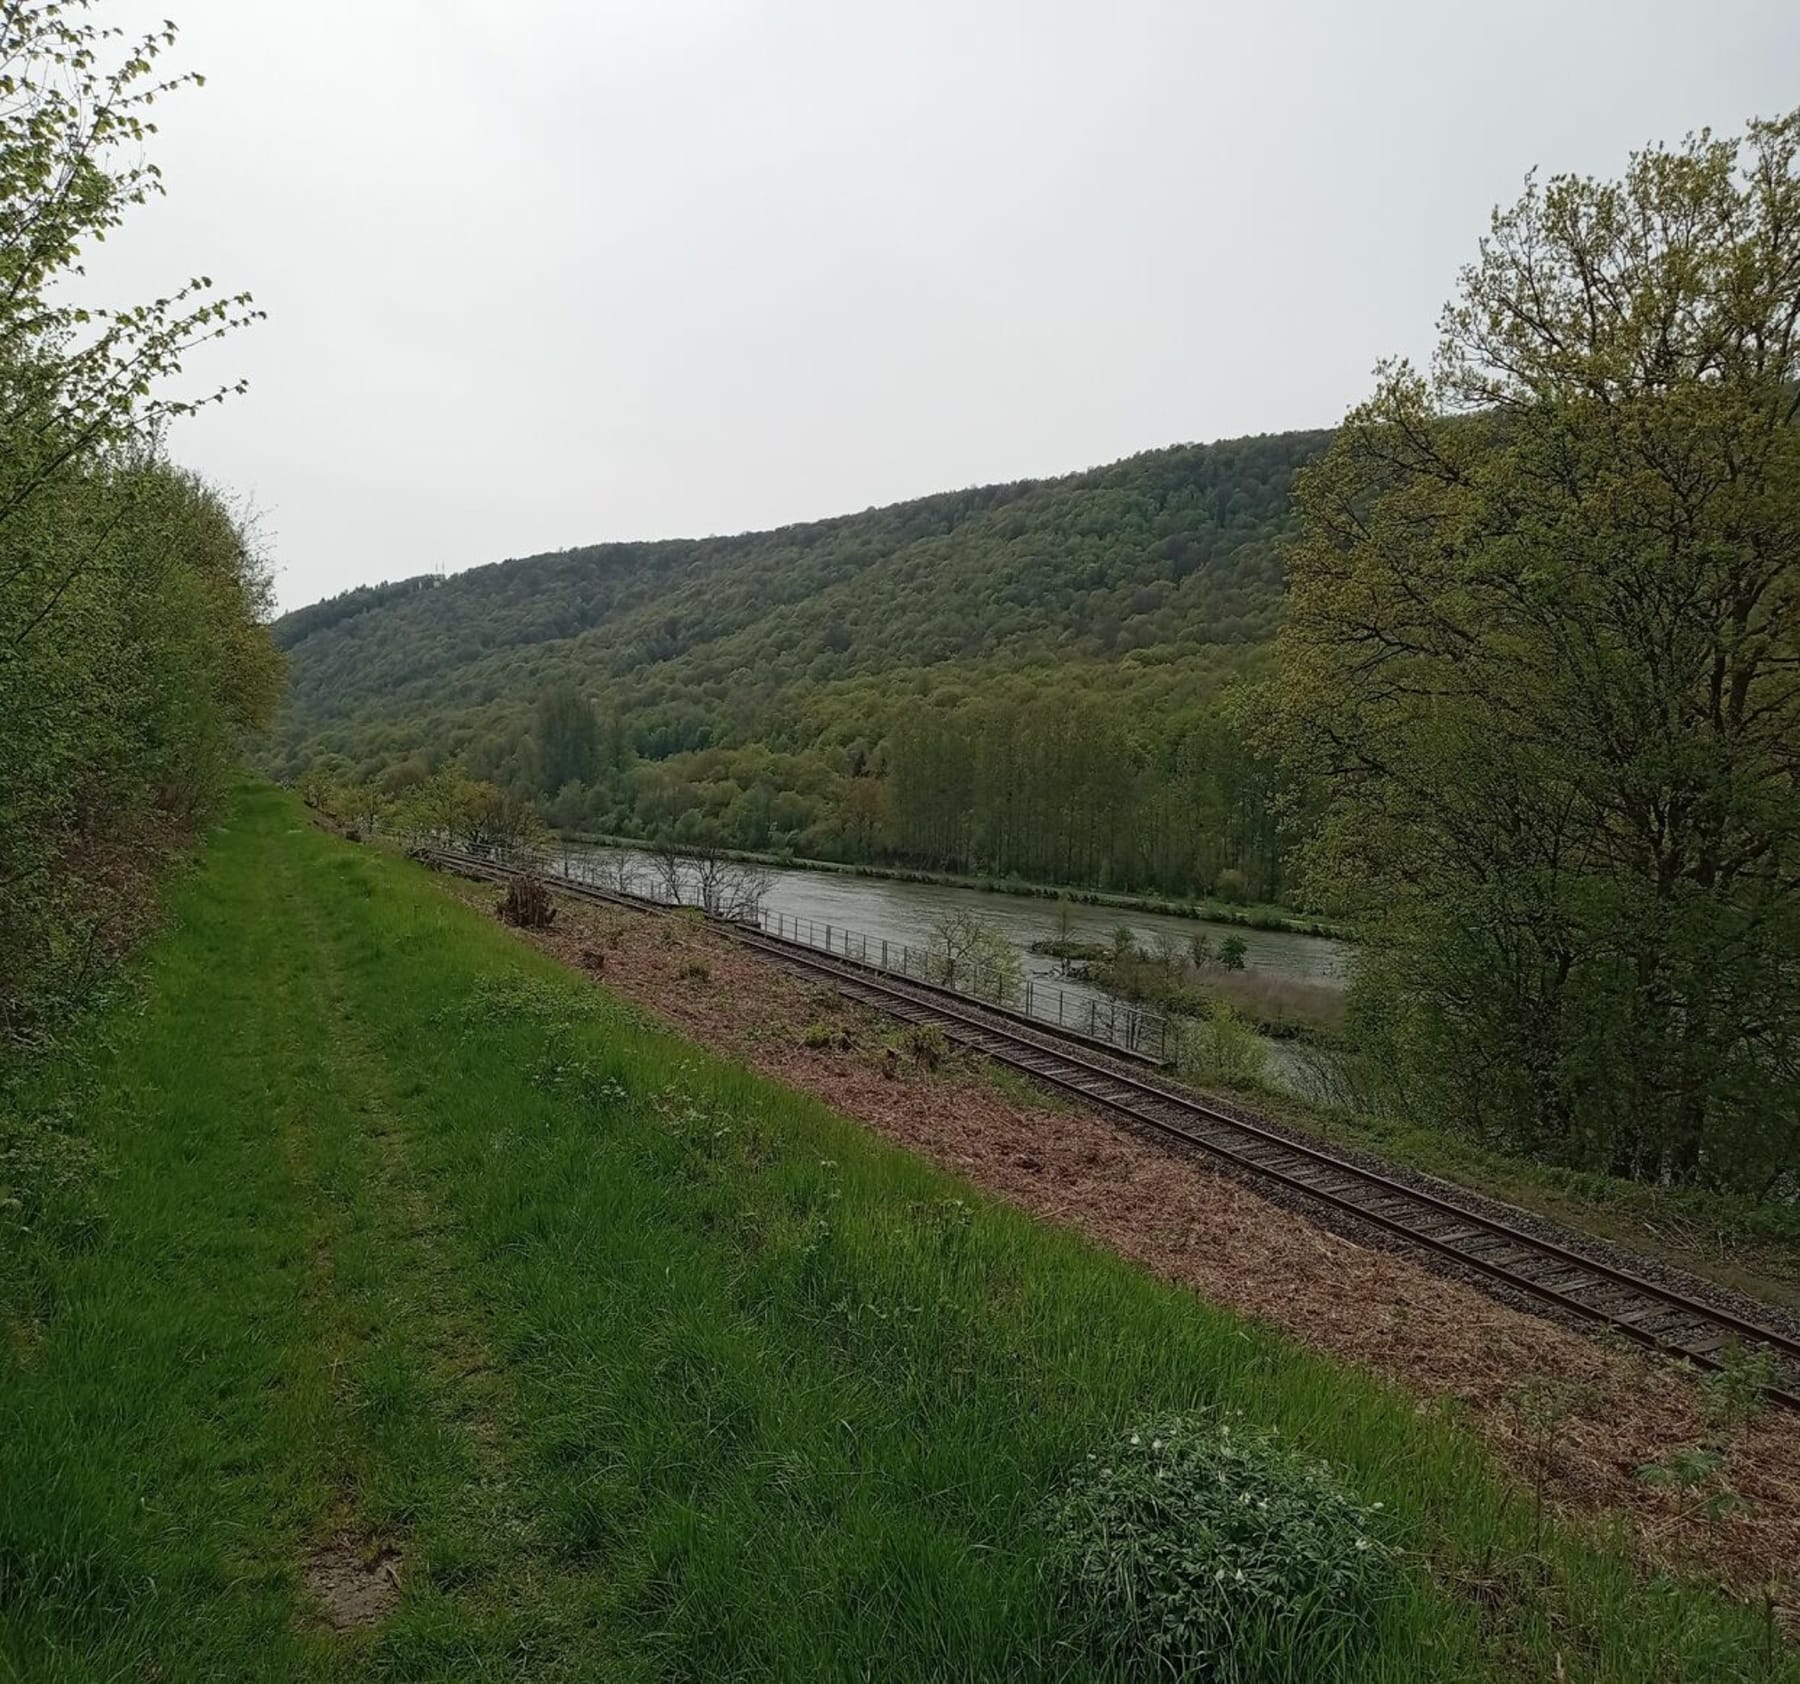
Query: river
point(881, 909)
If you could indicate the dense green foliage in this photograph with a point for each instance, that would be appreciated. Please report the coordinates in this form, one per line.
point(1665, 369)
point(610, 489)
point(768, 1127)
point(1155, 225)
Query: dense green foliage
point(644, 1367)
point(132, 653)
point(1030, 679)
point(1543, 641)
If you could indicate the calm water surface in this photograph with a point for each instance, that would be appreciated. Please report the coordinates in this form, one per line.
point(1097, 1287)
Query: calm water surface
point(877, 909)
point(884, 910)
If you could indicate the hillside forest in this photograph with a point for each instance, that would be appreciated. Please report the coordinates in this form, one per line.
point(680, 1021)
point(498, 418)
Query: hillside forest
point(1045, 680)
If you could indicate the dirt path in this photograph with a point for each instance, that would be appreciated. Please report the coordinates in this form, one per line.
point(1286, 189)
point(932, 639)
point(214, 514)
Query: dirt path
point(1584, 1417)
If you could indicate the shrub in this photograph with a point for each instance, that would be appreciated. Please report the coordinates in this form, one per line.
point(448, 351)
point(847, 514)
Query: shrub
point(1224, 1049)
point(1738, 1391)
point(926, 1043)
point(1200, 1548)
point(695, 970)
point(966, 954)
point(527, 905)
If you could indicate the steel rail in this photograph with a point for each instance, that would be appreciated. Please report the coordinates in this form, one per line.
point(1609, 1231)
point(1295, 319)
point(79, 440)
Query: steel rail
point(1648, 1313)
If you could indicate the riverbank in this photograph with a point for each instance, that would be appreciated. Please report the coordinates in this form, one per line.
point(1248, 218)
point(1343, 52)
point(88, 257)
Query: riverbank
point(1258, 916)
point(449, 1318)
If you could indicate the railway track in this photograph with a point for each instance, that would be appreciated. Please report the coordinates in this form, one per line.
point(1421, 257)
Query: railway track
point(1580, 1286)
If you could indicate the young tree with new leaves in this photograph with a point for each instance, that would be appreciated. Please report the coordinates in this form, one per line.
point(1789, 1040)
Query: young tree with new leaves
point(133, 644)
point(1543, 648)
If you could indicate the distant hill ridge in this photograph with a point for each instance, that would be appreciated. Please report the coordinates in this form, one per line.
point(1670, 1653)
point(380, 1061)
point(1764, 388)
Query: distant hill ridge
point(700, 641)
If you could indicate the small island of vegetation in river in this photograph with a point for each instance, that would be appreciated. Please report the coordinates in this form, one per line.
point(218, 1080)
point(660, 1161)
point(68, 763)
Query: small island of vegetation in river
point(1193, 979)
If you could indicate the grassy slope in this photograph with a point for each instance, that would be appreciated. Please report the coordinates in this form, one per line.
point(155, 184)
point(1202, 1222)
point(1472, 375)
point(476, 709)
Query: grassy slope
point(651, 1368)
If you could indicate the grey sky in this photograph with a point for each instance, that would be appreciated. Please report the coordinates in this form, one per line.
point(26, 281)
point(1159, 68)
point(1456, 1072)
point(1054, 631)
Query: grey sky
point(546, 273)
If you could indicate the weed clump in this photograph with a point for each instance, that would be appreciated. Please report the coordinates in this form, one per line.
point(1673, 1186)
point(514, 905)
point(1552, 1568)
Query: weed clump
point(1195, 1548)
point(926, 1043)
point(527, 905)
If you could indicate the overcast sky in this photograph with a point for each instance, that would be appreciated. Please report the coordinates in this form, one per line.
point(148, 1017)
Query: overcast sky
point(547, 272)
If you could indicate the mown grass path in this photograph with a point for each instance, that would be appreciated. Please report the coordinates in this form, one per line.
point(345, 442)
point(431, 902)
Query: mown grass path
point(401, 1240)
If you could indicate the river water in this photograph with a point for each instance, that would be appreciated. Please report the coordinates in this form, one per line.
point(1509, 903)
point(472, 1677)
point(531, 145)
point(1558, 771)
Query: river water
point(880, 909)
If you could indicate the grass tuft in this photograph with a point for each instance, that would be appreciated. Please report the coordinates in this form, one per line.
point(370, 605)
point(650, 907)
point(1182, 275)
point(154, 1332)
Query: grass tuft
point(1195, 1547)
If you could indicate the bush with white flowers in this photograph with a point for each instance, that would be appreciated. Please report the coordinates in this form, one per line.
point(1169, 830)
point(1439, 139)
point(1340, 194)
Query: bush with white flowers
point(1204, 1548)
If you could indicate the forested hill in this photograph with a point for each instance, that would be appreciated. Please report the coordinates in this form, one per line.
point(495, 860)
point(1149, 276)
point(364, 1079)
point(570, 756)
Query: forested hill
point(1147, 581)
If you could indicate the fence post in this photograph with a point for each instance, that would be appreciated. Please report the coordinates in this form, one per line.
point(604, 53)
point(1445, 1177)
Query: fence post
point(884, 963)
point(1028, 996)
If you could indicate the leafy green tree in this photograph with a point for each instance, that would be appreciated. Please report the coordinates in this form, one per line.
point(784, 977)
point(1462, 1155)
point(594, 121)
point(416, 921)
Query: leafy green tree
point(568, 739)
point(134, 652)
point(365, 806)
point(1543, 645)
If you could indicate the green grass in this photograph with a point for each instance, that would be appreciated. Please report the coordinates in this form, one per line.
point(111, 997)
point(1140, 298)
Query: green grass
point(652, 1369)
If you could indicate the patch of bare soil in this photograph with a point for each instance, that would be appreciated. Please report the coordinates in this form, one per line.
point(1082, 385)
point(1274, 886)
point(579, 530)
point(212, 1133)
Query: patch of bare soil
point(1581, 1415)
point(353, 1583)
